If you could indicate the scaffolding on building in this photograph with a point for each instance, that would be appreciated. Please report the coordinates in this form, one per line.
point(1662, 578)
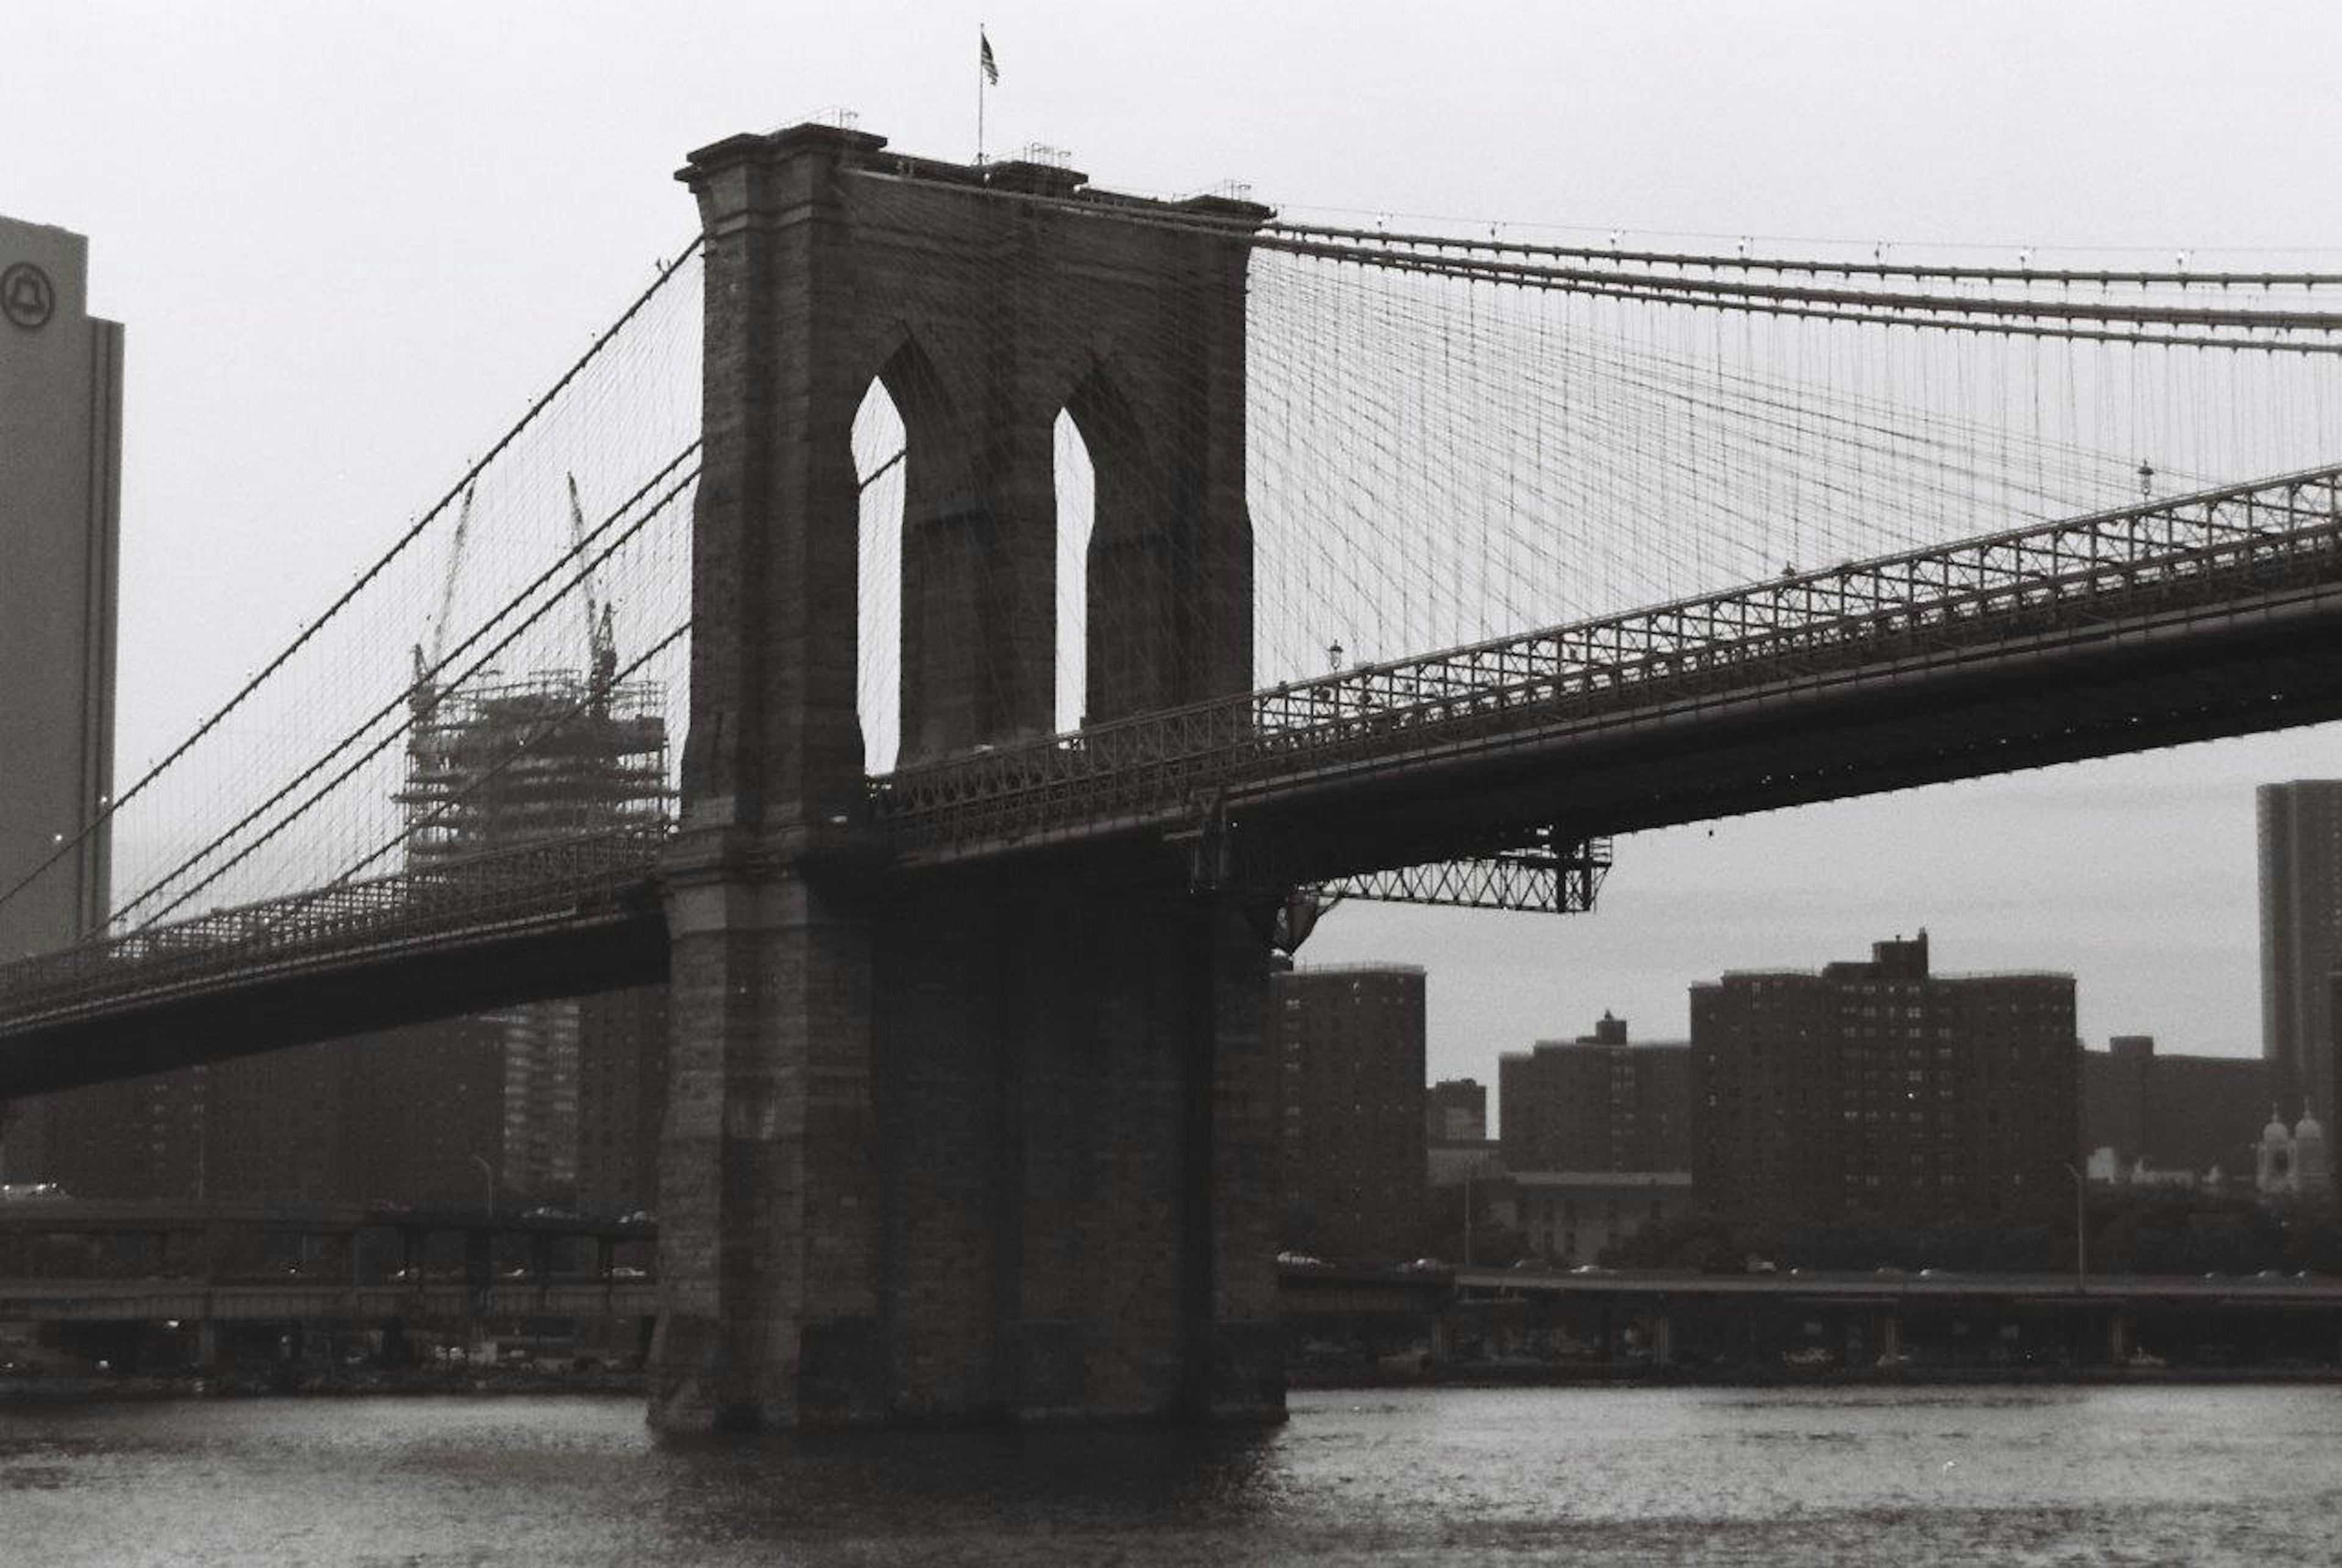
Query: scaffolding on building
point(548, 755)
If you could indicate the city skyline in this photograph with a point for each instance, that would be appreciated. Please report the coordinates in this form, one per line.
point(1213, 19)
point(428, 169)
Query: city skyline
point(928, 550)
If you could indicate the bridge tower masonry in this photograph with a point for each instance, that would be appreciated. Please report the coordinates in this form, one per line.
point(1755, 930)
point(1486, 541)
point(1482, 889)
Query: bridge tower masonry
point(997, 1144)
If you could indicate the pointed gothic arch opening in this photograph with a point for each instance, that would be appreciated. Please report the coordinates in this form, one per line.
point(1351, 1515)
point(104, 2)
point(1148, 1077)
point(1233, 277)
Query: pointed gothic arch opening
point(1077, 495)
point(1127, 565)
point(880, 448)
point(912, 472)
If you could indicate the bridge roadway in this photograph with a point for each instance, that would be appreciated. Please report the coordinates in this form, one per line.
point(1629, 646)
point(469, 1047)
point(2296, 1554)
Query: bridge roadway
point(195, 1301)
point(342, 1222)
point(1304, 1294)
point(2184, 619)
point(1895, 1288)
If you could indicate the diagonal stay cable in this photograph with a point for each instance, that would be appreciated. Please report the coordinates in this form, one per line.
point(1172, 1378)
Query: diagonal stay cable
point(576, 710)
point(352, 739)
point(364, 578)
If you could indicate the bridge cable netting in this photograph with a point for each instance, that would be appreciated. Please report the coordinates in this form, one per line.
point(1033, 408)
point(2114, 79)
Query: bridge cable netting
point(462, 647)
point(1445, 440)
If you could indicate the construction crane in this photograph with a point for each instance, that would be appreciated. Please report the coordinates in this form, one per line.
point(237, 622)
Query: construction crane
point(427, 664)
point(601, 634)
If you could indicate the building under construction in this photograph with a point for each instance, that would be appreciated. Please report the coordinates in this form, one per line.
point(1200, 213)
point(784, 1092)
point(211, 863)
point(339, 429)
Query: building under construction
point(551, 755)
point(497, 765)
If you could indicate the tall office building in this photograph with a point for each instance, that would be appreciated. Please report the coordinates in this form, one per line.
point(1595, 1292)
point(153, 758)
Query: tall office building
point(1885, 1088)
point(1350, 1042)
point(60, 470)
point(2301, 939)
point(1598, 1103)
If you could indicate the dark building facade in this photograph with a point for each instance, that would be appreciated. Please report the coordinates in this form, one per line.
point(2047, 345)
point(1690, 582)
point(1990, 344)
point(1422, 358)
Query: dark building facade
point(136, 1138)
point(2189, 1114)
point(1595, 1103)
point(1881, 1087)
point(60, 515)
point(1456, 1111)
point(1349, 1043)
point(621, 1099)
point(272, 1126)
point(421, 1109)
point(2300, 830)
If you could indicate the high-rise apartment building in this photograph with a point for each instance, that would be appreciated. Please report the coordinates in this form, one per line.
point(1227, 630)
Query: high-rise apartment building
point(1350, 1045)
point(1885, 1088)
point(60, 515)
point(2301, 939)
point(1598, 1103)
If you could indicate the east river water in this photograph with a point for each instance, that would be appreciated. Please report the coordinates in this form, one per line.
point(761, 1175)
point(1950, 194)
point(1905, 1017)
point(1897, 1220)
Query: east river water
point(2201, 1475)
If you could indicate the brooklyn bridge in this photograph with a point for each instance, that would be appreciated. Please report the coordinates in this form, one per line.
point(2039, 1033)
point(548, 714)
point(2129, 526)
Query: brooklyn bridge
point(1073, 596)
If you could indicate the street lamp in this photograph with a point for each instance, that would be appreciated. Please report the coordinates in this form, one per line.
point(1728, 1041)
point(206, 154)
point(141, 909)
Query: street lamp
point(1467, 1217)
point(490, 1172)
point(2081, 1232)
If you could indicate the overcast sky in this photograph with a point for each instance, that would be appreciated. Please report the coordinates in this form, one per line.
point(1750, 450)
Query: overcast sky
point(351, 241)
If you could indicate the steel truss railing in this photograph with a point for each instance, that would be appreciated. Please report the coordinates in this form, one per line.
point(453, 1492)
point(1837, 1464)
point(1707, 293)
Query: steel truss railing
point(534, 884)
point(1165, 768)
point(1541, 881)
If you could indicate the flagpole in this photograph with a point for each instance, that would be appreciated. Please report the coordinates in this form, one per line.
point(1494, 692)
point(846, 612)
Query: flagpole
point(979, 93)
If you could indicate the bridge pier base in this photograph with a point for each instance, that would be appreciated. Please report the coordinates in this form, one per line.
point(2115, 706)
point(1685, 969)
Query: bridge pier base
point(766, 1172)
point(993, 1153)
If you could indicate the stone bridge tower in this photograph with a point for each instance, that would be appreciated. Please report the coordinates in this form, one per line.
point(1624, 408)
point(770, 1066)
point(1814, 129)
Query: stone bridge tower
point(994, 1143)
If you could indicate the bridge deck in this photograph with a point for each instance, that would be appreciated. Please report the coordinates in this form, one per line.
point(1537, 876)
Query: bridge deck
point(2208, 615)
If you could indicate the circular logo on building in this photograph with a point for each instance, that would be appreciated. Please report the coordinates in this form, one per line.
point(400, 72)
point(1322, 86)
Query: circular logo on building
point(27, 298)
